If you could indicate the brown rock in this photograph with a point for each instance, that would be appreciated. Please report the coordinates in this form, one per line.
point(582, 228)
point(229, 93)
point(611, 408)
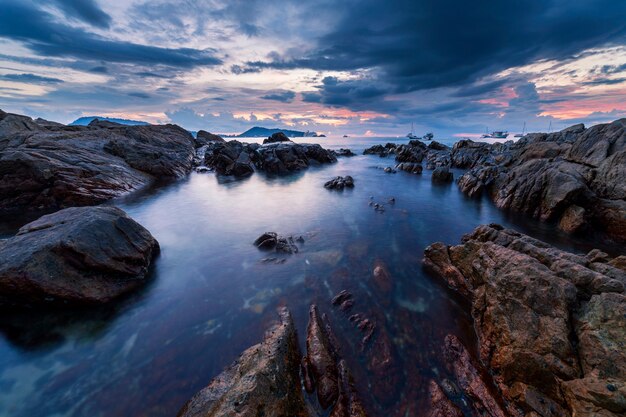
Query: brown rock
point(573, 219)
point(264, 381)
point(322, 359)
point(440, 405)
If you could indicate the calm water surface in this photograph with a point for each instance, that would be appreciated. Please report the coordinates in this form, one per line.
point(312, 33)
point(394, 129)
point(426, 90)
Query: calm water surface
point(211, 296)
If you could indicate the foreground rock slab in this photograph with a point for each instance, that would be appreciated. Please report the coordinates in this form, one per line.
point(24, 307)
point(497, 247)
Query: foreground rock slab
point(264, 381)
point(551, 325)
point(86, 255)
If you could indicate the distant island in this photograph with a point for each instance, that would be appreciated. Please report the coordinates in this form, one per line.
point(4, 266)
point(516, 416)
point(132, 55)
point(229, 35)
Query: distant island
point(84, 121)
point(262, 132)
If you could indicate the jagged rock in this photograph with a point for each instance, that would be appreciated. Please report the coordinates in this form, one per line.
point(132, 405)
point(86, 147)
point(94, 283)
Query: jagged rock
point(205, 138)
point(321, 357)
point(264, 381)
point(277, 137)
point(440, 404)
point(85, 255)
point(434, 145)
point(339, 183)
point(442, 175)
point(528, 298)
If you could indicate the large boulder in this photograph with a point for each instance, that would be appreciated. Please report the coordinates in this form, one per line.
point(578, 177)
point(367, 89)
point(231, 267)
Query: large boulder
point(264, 381)
point(547, 321)
point(82, 255)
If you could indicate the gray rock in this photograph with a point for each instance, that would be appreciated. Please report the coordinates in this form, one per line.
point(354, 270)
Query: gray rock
point(82, 255)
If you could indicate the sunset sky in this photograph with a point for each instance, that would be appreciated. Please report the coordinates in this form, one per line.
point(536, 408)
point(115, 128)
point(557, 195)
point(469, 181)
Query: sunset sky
point(455, 67)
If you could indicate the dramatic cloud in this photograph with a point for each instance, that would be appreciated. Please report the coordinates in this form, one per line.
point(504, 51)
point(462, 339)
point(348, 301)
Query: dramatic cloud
point(85, 10)
point(342, 66)
point(39, 31)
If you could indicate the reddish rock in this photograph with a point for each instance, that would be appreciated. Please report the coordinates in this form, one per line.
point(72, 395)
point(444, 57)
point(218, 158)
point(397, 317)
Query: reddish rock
point(528, 300)
point(440, 405)
point(322, 359)
point(263, 381)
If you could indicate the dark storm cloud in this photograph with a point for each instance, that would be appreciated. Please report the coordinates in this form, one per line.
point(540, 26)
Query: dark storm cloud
point(85, 10)
point(435, 43)
point(39, 31)
point(31, 79)
point(282, 96)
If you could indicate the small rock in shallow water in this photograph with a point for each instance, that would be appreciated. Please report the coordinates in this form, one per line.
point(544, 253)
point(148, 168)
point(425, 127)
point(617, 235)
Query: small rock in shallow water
point(339, 183)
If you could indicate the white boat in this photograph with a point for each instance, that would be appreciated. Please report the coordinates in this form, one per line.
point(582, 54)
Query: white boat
point(412, 134)
point(519, 135)
point(496, 134)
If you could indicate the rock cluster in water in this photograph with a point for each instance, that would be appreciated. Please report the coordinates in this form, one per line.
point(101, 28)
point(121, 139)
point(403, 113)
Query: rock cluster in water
point(551, 325)
point(277, 155)
point(271, 241)
point(81, 255)
point(339, 183)
point(575, 177)
point(49, 166)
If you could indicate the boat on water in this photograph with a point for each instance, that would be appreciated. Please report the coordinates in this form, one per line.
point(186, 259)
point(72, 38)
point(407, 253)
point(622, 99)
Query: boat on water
point(519, 135)
point(428, 136)
point(496, 134)
point(412, 134)
point(345, 136)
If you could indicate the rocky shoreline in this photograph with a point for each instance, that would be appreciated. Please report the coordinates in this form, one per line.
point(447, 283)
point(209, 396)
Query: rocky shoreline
point(575, 178)
point(550, 325)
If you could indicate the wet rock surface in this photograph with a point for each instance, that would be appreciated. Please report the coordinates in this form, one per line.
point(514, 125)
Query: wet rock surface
point(271, 241)
point(551, 325)
point(205, 138)
point(339, 183)
point(343, 152)
point(264, 381)
point(50, 166)
point(84, 255)
point(279, 157)
point(442, 175)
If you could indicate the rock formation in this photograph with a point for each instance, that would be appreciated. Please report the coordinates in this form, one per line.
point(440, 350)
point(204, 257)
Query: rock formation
point(551, 325)
point(51, 166)
point(83, 255)
point(339, 183)
point(242, 159)
point(264, 381)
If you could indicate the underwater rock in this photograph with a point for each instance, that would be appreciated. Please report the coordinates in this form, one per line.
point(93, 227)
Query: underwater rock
point(81, 255)
point(280, 244)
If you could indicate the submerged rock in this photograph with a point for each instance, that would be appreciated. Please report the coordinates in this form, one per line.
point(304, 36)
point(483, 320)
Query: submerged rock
point(264, 381)
point(339, 183)
point(272, 241)
point(411, 167)
point(86, 255)
point(531, 302)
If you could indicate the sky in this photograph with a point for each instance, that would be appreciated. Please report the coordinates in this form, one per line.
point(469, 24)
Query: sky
point(360, 67)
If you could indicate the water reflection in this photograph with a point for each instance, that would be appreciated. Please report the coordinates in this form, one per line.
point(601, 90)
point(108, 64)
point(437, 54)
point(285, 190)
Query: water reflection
point(211, 297)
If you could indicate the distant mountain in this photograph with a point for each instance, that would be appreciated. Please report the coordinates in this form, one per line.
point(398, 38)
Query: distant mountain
point(263, 132)
point(84, 121)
